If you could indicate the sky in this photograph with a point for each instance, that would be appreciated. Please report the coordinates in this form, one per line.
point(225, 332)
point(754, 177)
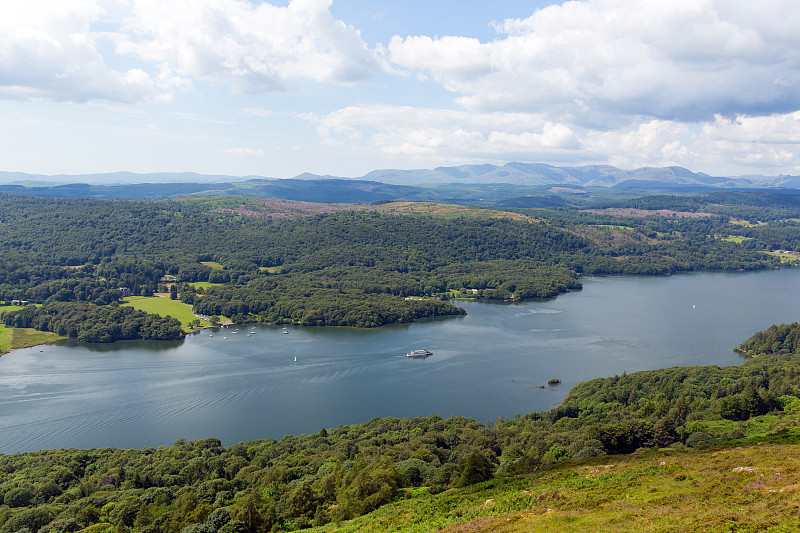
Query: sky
point(342, 87)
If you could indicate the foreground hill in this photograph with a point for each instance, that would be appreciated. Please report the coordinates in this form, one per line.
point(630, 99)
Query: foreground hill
point(557, 470)
point(743, 488)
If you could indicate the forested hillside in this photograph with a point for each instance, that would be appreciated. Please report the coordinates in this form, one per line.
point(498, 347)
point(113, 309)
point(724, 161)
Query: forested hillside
point(352, 268)
point(344, 472)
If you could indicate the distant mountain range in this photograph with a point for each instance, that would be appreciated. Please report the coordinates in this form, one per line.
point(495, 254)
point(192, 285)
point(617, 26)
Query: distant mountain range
point(510, 173)
point(517, 183)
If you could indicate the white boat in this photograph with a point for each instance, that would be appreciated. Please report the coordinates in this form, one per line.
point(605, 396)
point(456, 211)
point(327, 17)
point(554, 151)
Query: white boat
point(285, 331)
point(419, 353)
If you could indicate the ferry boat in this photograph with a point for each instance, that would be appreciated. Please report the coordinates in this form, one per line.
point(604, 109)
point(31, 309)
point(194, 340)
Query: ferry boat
point(419, 353)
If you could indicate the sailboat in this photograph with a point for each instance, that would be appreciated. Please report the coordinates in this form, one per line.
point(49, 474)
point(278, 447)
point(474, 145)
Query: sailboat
point(285, 331)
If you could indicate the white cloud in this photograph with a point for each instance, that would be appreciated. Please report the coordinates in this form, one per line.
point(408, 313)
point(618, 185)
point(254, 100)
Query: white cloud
point(431, 136)
point(418, 132)
point(656, 142)
point(591, 62)
point(255, 47)
point(761, 142)
point(63, 49)
point(47, 50)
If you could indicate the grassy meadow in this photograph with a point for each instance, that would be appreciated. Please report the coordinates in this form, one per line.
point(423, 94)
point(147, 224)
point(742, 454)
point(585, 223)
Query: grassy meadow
point(204, 284)
point(164, 306)
point(14, 338)
point(212, 264)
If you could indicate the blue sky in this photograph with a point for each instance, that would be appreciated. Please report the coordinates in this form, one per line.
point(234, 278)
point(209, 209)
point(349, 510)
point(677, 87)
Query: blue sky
point(343, 87)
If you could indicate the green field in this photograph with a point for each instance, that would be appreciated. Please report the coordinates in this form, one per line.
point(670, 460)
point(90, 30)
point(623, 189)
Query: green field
point(6, 338)
point(212, 264)
point(165, 307)
point(14, 338)
point(204, 284)
point(736, 238)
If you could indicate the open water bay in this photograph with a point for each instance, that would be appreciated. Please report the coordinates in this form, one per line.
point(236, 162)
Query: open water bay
point(240, 387)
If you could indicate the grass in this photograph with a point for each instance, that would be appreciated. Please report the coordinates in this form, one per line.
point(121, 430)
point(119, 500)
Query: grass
point(747, 488)
point(165, 307)
point(746, 224)
point(736, 238)
point(15, 338)
point(6, 339)
point(204, 284)
point(212, 264)
point(272, 269)
point(24, 337)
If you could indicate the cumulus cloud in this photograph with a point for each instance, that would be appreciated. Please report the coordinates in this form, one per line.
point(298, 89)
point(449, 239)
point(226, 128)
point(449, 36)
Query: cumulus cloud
point(728, 145)
point(408, 131)
point(761, 142)
point(47, 50)
point(63, 49)
point(255, 47)
point(591, 62)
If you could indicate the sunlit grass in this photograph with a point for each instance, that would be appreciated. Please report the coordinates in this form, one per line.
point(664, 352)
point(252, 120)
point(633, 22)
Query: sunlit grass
point(204, 284)
point(747, 224)
point(6, 338)
point(15, 338)
point(165, 307)
point(752, 488)
point(736, 238)
point(212, 264)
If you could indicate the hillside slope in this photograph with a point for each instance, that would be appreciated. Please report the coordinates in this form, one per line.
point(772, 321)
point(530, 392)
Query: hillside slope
point(749, 488)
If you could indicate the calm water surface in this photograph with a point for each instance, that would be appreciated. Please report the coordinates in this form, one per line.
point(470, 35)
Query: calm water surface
point(488, 363)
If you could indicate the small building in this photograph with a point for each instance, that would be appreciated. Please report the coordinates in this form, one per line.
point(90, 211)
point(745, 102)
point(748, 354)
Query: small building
point(124, 292)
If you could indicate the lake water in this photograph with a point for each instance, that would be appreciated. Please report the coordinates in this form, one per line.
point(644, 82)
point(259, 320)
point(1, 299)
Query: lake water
point(488, 363)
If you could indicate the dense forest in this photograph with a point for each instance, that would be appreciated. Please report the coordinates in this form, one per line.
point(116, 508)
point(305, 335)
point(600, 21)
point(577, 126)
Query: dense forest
point(347, 471)
point(352, 268)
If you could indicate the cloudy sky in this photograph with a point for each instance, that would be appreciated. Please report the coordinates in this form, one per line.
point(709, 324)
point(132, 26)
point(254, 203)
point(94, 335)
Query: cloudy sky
point(343, 87)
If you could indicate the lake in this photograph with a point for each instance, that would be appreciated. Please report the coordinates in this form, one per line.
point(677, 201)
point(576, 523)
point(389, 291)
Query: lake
point(490, 363)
